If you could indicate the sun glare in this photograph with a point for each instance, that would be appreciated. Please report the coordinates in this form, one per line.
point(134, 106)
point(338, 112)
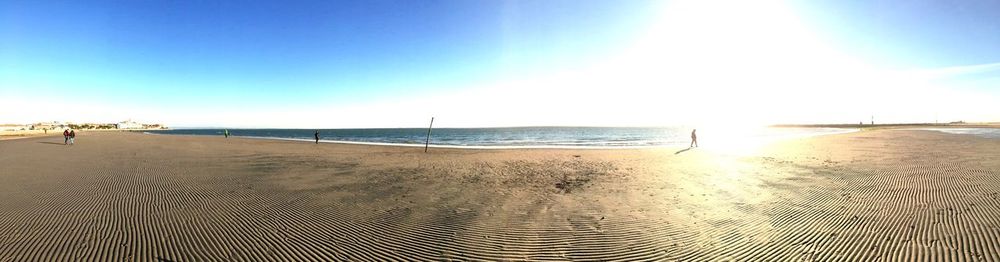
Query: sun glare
point(744, 63)
point(722, 56)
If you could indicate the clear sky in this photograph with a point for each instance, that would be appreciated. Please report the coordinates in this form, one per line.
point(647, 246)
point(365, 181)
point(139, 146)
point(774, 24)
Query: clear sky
point(498, 63)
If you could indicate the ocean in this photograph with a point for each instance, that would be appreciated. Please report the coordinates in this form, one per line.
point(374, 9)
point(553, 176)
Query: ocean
point(981, 132)
point(525, 137)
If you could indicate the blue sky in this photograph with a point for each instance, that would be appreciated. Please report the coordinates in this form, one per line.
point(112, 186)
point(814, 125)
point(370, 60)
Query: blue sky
point(911, 34)
point(290, 52)
point(380, 63)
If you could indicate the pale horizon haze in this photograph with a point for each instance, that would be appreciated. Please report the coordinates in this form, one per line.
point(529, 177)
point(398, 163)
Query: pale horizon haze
point(368, 64)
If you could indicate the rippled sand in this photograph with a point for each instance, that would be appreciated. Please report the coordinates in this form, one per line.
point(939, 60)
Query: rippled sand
point(889, 194)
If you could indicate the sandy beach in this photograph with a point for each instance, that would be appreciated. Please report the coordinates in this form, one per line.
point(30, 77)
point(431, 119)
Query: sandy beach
point(876, 194)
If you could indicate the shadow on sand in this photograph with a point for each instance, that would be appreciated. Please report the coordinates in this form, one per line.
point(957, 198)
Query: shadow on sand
point(51, 143)
point(683, 150)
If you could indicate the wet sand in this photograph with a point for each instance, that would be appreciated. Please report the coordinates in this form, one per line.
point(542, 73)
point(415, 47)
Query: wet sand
point(879, 194)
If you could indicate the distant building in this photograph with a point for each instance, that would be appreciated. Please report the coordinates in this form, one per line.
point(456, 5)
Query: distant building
point(13, 127)
point(49, 126)
point(129, 124)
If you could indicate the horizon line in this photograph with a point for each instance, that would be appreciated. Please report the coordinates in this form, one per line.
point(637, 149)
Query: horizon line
point(597, 126)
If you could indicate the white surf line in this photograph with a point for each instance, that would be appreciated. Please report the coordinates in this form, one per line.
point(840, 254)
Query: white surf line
point(436, 145)
point(670, 146)
point(456, 146)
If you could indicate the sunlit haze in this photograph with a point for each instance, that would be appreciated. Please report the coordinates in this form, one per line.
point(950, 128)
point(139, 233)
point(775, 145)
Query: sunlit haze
point(503, 63)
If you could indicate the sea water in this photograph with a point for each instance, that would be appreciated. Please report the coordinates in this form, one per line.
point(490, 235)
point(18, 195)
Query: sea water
point(981, 132)
point(528, 137)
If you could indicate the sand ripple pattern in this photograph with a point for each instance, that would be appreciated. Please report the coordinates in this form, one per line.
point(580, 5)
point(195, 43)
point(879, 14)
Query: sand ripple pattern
point(197, 199)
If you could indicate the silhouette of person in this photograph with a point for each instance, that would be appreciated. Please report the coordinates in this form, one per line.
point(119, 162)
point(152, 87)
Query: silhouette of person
point(694, 139)
point(317, 136)
point(226, 133)
point(66, 137)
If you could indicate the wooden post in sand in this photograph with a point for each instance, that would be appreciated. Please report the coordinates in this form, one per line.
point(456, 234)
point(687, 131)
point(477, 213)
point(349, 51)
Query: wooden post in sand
point(428, 141)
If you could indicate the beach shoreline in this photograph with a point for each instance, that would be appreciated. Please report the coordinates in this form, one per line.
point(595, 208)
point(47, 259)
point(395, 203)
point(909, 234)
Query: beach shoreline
point(134, 196)
point(536, 138)
point(892, 126)
point(441, 146)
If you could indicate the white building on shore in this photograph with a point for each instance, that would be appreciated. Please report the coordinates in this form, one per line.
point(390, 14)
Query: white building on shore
point(129, 124)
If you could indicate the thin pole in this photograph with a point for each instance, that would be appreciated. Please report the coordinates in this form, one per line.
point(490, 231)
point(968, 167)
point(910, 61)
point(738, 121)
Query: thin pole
point(428, 141)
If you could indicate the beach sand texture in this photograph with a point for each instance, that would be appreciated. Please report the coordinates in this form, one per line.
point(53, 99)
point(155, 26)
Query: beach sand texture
point(880, 194)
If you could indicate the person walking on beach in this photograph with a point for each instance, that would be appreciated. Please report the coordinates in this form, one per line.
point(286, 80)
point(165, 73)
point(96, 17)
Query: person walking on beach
point(694, 139)
point(66, 137)
point(317, 136)
point(72, 137)
point(225, 132)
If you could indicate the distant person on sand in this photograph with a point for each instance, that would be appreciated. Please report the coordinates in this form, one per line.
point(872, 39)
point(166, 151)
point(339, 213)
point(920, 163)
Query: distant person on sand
point(694, 139)
point(72, 136)
point(317, 136)
point(225, 132)
point(66, 137)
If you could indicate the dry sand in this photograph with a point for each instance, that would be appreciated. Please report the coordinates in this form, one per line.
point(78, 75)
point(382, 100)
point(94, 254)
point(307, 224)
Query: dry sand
point(19, 134)
point(889, 194)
